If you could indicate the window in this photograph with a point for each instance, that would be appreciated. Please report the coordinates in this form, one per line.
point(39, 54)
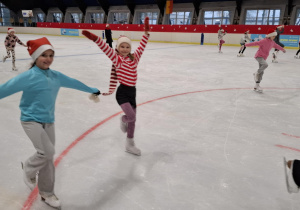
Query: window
point(153, 16)
point(181, 18)
point(97, 17)
point(57, 17)
point(76, 17)
point(262, 17)
point(5, 19)
point(218, 17)
point(40, 17)
point(120, 17)
point(297, 22)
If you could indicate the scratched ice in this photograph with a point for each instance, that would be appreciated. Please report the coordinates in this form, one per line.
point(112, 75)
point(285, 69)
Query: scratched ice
point(208, 141)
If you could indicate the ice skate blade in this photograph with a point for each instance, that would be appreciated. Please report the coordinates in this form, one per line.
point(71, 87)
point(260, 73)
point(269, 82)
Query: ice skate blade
point(258, 91)
point(58, 208)
point(291, 187)
point(128, 151)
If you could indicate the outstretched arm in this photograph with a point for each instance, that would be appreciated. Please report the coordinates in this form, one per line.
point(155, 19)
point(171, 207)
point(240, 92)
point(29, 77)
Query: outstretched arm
point(110, 53)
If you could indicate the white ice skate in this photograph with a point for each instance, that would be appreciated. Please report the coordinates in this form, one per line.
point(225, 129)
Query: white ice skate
point(123, 125)
point(257, 88)
point(52, 201)
point(297, 57)
point(14, 68)
point(220, 51)
point(30, 182)
point(292, 187)
point(4, 59)
point(131, 148)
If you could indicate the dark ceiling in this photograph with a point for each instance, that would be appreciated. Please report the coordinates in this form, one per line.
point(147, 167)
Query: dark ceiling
point(18, 5)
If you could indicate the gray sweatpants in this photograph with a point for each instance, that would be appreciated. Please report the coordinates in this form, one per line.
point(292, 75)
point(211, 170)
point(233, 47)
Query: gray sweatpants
point(42, 136)
point(262, 66)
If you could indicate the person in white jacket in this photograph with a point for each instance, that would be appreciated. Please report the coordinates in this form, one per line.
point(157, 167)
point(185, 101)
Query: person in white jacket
point(243, 41)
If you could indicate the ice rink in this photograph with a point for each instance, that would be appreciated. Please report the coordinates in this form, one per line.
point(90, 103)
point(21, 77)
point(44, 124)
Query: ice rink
point(208, 141)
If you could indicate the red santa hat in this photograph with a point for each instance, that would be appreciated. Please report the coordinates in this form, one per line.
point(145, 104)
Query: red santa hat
point(38, 46)
point(123, 39)
point(271, 32)
point(10, 30)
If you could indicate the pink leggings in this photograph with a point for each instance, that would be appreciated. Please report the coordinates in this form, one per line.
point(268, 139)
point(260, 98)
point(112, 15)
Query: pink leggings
point(221, 42)
point(129, 118)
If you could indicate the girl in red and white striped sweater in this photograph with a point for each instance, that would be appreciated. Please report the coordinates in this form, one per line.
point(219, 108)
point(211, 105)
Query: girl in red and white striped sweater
point(125, 66)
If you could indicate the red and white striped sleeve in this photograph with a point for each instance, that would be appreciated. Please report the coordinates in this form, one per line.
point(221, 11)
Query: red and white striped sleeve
point(111, 53)
point(139, 51)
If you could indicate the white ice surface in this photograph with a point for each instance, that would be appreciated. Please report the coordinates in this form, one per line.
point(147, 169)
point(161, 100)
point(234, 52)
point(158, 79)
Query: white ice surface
point(211, 148)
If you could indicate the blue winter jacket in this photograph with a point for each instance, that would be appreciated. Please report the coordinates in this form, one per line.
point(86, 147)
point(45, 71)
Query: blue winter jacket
point(40, 88)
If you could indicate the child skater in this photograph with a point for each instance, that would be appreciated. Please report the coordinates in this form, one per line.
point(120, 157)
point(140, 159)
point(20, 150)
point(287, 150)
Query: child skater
point(125, 65)
point(265, 45)
point(221, 34)
point(296, 56)
point(40, 86)
point(279, 30)
point(242, 42)
point(292, 172)
point(10, 44)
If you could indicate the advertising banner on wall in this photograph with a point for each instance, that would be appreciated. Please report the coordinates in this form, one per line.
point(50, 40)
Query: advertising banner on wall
point(287, 40)
point(69, 32)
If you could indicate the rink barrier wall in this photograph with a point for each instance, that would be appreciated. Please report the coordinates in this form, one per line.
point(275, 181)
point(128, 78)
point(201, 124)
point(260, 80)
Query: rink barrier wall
point(186, 34)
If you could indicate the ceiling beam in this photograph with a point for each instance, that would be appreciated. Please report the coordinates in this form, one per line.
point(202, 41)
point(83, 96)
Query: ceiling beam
point(239, 7)
point(104, 5)
point(131, 5)
point(197, 6)
point(290, 7)
point(82, 5)
point(161, 5)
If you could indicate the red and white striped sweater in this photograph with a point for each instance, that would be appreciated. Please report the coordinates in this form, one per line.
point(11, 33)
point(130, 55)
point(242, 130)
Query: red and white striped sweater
point(126, 68)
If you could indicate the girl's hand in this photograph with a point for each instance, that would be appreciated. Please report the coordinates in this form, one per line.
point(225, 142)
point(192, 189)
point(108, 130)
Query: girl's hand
point(90, 35)
point(147, 28)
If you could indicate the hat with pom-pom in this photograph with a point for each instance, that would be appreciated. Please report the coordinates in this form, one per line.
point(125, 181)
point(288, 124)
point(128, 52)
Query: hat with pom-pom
point(123, 39)
point(38, 46)
point(271, 32)
point(10, 30)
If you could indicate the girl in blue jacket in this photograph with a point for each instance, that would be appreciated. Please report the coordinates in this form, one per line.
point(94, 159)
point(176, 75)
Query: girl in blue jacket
point(40, 86)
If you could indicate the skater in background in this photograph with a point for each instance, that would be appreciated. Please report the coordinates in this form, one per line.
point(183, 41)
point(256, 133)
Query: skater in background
point(296, 56)
point(40, 86)
point(279, 30)
point(262, 54)
point(10, 43)
point(292, 170)
point(126, 73)
point(108, 36)
point(243, 40)
point(221, 34)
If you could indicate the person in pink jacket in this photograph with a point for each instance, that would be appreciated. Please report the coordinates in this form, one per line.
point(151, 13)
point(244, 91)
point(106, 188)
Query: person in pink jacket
point(265, 46)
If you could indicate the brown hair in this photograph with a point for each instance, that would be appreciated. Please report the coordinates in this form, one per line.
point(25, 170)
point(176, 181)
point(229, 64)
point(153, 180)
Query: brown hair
point(130, 55)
